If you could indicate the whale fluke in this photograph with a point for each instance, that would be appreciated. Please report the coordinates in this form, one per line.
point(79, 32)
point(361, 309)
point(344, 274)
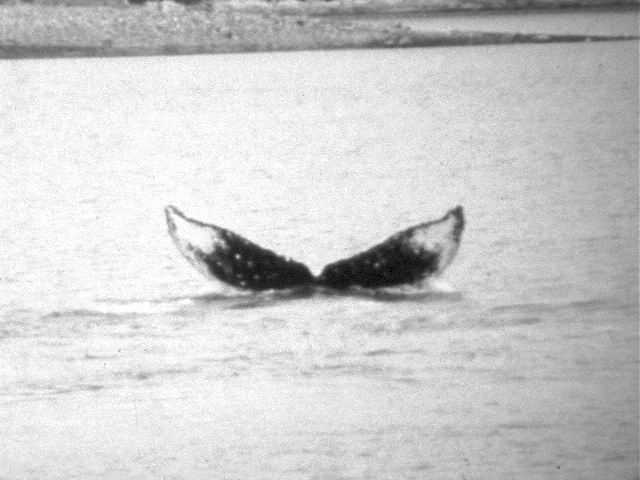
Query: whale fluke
point(406, 257)
point(224, 255)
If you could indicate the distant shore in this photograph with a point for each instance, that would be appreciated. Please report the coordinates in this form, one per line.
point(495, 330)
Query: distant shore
point(47, 29)
point(424, 7)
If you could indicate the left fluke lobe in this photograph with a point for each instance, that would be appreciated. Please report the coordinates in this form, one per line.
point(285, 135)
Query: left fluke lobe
point(224, 255)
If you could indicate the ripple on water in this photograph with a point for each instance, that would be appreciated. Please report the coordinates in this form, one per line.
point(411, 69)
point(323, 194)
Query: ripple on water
point(379, 352)
point(589, 305)
point(526, 308)
point(410, 324)
point(505, 320)
point(148, 374)
point(227, 359)
point(37, 390)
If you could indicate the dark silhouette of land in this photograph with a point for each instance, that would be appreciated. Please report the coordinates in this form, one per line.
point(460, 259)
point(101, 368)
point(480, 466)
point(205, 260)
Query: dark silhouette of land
point(53, 28)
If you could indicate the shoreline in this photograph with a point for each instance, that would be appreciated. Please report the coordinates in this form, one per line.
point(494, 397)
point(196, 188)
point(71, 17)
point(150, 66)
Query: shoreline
point(384, 8)
point(168, 28)
point(456, 39)
point(484, 10)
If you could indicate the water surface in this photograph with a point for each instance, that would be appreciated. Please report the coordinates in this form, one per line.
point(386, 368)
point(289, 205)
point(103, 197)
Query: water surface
point(119, 361)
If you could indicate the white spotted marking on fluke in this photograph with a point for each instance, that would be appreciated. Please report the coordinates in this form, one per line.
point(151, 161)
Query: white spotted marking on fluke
point(441, 237)
point(193, 239)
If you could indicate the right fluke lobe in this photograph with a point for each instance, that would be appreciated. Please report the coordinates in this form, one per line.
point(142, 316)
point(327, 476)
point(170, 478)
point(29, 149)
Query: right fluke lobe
point(407, 257)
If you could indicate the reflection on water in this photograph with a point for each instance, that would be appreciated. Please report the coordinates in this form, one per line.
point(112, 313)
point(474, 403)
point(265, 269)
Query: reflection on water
point(111, 339)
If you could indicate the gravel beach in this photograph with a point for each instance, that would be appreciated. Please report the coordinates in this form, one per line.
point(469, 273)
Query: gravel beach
point(166, 27)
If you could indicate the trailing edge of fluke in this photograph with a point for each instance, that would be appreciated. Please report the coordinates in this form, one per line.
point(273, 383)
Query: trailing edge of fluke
point(407, 257)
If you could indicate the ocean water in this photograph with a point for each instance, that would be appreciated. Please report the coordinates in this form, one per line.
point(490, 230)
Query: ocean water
point(117, 360)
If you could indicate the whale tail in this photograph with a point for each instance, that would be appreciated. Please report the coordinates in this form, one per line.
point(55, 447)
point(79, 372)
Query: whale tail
point(221, 254)
point(406, 257)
